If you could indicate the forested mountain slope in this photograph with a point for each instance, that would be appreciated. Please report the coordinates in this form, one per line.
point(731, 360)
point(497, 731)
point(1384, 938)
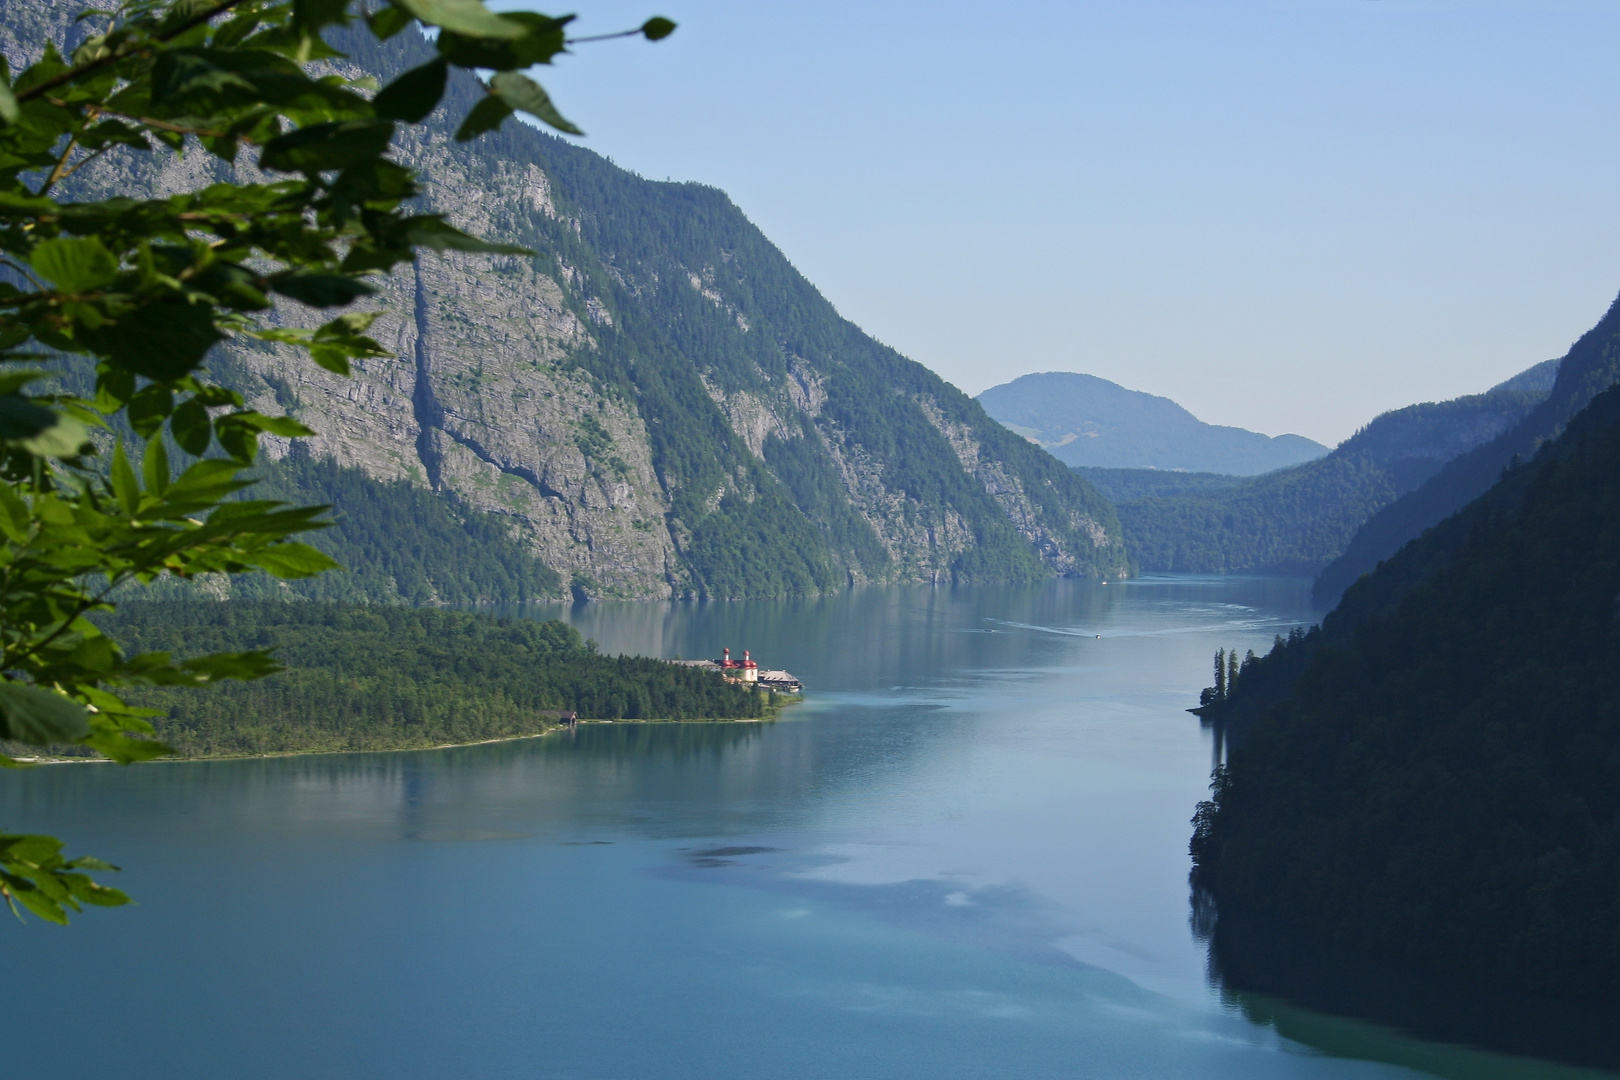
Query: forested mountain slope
point(1297, 520)
point(657, 404)
point(1433, 776)
point(1591, 366)
point(1134, 485)
point(1084, 420)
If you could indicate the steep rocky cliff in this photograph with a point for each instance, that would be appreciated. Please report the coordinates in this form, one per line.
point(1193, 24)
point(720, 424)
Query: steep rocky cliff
point(657, 403)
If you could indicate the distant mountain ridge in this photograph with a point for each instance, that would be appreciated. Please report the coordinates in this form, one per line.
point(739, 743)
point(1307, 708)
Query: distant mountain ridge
point(1297, 520)
point(1084, 420)
point(1591, 366)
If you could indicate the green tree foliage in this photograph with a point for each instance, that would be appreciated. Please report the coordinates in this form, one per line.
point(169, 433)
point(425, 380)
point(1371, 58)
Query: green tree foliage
point(398, 543)
point(389, 678)
point(1135, 485)
point(1591, 366)
point(1433, 776)
point(1296, 520)
point(144, 288)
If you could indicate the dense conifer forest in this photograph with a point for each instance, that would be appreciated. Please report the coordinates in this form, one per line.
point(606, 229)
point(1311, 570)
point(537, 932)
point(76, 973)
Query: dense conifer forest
point(1591, 366)
point(1134, 485)
point(382, 678)
point(398, 543)
point(1433, 775)
point(1296, 520)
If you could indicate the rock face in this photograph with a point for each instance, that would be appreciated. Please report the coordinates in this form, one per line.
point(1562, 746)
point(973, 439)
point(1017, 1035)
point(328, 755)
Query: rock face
point(656, 402)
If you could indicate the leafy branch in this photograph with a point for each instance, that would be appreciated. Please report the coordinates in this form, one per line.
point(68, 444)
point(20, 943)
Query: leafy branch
point(143, 288)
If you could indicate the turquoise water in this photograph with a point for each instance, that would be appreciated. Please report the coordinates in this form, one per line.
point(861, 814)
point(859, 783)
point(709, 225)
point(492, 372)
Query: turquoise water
point(964, 855)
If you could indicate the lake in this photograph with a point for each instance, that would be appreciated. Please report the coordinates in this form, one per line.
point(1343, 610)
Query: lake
point(963, 855)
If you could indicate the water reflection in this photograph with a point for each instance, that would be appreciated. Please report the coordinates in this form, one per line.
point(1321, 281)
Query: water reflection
point(1350, 1005)
point(963, 855)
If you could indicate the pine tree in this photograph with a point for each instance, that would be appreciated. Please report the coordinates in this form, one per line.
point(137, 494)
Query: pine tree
point(1220, 674)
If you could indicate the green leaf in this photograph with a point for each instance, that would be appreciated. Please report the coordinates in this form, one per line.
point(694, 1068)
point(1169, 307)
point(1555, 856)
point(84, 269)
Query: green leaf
point(310, 15)
point(414, 94)
point(323, 147)
point(90, 862)
point(285, 426)
point(22, 419)
point(333, 358)
point(75, 264)
point(150, 406)
point(191, 428)
point(124, 483)
point(521, 92)
point(433, 232)
point(294, 560)
point(355, 322)
point(321, 290)
point(155, 466)
point(99, 895)
point(388, 22)
point(657, 28)
point(484, 116)
point(241, 441)
point(242, 665)
point(162, 341)
point(123, 749)
point(542, 39)
point(29, 714)
point(468, 17)
point(42, 432)
point(9, 112)
point(29, 896)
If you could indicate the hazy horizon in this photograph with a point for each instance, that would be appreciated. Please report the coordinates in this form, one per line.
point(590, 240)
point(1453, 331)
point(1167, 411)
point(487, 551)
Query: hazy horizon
point(1355, 205)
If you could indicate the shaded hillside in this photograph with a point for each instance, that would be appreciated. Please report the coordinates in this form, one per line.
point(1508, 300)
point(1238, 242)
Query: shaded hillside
point(1591, 366)
point(1434, 775)
point(1134, 485)
point(1297, 520)
point(657, 404)
point(1084, 420)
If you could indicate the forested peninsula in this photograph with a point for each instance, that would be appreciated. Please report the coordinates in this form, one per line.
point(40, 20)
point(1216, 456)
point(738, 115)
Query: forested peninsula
point(1432, 777)
point(398, 678)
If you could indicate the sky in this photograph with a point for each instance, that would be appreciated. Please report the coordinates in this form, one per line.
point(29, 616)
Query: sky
point(1286, 216)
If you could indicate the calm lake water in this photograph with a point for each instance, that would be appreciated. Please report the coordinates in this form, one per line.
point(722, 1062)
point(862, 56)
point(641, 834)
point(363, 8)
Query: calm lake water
point(964, 855)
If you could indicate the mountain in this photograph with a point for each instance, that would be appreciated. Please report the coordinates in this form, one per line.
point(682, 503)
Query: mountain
point(1297, 520)
point(657, 404)
point(1432, 776)
point(1084, 420)
point(1134, 485)
point(1590, 367)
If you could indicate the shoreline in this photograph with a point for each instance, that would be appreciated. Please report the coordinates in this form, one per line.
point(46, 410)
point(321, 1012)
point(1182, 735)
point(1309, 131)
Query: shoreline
point(175, 760)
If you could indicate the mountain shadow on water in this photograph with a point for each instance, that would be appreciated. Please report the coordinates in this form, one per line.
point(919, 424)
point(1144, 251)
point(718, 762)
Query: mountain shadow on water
point(1264, 967)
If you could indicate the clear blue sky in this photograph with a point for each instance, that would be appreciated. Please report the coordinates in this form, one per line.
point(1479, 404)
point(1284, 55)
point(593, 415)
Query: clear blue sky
point(1288, 216)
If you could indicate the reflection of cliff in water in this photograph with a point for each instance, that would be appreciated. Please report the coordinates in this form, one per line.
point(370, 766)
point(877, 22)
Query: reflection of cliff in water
point(1351, 1006)
point(865, 638)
